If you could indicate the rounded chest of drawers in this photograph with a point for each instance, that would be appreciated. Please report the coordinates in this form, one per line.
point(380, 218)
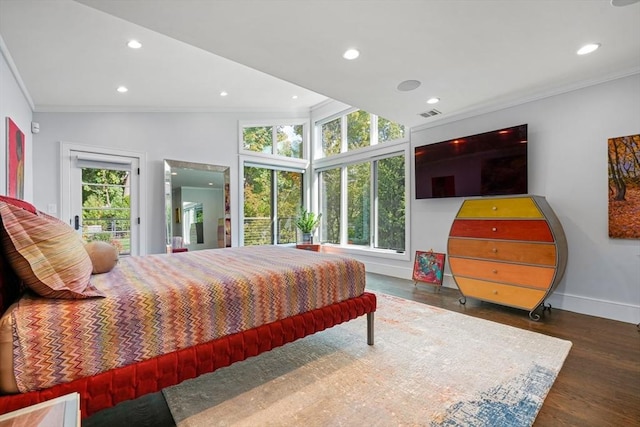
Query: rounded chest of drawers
point(509, 250)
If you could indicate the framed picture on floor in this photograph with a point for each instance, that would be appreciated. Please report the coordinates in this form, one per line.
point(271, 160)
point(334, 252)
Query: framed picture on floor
point(15, 160)
point(428, 267)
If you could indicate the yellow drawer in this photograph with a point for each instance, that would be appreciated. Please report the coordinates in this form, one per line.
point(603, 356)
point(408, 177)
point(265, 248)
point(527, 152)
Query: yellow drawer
point(514, 296)
point(516, 274)
point(517, 207)
point(498, 250)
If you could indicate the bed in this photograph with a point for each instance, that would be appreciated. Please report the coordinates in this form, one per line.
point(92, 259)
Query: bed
point(153, 321)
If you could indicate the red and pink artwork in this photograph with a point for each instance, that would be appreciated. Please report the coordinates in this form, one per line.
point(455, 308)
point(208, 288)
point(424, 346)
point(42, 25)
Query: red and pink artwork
point(15, 160)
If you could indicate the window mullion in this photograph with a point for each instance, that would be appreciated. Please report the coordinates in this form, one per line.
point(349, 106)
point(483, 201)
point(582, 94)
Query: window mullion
point(373, 242)
point(274, 207)
point(344, 220)
point(373, 130)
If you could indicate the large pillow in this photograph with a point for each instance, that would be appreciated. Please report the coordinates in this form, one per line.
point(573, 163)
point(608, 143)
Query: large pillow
point(11, 287)
point(103, 256)
point(46, 254)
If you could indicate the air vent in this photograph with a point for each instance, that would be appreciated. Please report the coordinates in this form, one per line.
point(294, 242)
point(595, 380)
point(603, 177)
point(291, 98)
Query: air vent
point(430, 113)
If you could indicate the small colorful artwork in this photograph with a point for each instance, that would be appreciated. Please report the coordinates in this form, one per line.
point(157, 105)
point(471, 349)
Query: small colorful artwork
point(429, 267)
point(624, 187)
point(15, 160)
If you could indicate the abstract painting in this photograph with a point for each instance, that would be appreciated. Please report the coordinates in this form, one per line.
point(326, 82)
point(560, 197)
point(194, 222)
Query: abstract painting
point(428, 267)
point(15, 160)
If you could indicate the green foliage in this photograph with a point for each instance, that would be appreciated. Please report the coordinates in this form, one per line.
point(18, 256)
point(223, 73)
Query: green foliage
point(332, 137)
point(331, 202)
point(258, 139)
point(358, 130)
point(106, 203)
point(391, 203)
point(389, 131)
point(307, 222)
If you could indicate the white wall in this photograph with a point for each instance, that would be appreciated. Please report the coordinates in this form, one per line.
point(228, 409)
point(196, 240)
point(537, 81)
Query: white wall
point(568, 136)
point(14, 104)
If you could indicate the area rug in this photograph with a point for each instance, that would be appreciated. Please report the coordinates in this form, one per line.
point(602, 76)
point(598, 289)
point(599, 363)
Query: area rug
point(428, 367)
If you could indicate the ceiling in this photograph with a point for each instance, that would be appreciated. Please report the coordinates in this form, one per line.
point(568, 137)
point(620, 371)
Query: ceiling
point(475, 55)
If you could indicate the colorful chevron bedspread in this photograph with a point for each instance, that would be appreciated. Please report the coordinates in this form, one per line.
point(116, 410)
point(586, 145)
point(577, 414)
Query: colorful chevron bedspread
point(157, 304)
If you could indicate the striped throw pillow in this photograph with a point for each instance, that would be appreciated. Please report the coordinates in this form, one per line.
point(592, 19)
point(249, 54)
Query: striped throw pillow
point(46, 254)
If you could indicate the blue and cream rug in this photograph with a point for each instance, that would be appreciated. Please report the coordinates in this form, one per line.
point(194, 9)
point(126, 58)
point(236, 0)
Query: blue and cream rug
point(428, 367)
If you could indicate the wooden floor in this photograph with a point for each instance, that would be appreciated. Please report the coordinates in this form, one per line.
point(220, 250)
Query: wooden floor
point(599, 384)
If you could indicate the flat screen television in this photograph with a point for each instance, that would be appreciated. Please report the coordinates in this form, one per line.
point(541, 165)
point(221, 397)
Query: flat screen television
point(487, 164)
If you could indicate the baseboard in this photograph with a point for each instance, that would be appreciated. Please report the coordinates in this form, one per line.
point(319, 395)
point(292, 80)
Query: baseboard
point(622, 312)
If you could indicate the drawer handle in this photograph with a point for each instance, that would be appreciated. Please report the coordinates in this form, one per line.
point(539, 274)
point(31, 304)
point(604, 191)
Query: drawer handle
point(495, 292)
point(494, 271)
point(494, 229)
point(495, 208)
point(494, 250)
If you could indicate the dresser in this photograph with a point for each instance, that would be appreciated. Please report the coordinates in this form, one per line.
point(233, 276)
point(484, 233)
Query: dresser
point(507, 250)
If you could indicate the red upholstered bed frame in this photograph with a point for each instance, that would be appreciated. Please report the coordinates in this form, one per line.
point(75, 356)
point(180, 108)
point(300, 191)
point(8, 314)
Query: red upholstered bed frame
point(112, 387)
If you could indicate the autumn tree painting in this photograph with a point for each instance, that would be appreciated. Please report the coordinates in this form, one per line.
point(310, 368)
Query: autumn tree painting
point(624, 187)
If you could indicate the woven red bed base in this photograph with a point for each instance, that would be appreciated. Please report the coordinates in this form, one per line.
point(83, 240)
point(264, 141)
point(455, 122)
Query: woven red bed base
point(117, 385)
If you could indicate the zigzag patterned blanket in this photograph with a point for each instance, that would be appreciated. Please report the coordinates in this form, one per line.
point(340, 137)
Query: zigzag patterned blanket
point(157, 304)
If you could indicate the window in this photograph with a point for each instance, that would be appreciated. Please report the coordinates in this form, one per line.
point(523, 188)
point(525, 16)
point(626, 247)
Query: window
point(361, 169)
point(286, 140)
point(274, 158)
point(372, 195)
point(272, 199)
point(106, 212)
point(361, 130)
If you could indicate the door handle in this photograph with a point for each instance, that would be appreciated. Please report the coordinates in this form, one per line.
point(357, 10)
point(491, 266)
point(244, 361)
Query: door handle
point(76, 222)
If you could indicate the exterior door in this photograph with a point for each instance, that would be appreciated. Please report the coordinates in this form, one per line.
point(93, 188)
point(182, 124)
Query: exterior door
point(102, 201)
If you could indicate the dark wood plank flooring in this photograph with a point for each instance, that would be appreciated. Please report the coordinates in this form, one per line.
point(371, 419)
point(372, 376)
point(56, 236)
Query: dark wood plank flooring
point(599, 384)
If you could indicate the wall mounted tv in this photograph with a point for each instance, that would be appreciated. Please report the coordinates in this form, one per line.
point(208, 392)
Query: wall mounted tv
point(488, 164)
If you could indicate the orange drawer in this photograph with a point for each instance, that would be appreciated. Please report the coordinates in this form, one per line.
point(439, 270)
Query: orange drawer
point(527, 275)
point(513, 296)
point(511, 207)
point(496, 250)
point(533, 230)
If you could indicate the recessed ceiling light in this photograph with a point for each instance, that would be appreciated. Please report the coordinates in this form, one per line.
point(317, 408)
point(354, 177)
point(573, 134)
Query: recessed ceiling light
point(122, 89)
point(621, 3)
point(223, 93)
point(134, 44)
point(588, 48)
point(433, 100)
point(351, 54)
point(294, 97)
point(211, 183)
point(408, 85)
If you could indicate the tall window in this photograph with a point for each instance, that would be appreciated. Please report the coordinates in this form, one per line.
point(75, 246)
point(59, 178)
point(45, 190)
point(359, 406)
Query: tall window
point(106, 212)
point(274, 156)
point(372, 195)
point(272, 199)
point(361, 165)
